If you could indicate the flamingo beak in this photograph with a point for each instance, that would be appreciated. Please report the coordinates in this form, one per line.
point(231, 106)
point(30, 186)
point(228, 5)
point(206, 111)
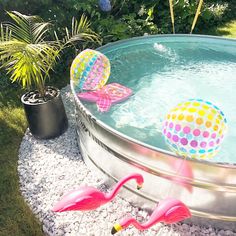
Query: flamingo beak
point(116, 228)
point(139, 186)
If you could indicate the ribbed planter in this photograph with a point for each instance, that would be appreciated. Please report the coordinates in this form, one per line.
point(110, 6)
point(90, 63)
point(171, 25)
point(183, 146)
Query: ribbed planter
point(48, 119)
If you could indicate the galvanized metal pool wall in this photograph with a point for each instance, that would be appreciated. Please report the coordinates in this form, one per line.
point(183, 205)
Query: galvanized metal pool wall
point(208, 189)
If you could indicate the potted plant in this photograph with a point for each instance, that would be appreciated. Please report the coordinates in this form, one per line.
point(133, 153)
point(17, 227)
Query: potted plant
point(28, 57)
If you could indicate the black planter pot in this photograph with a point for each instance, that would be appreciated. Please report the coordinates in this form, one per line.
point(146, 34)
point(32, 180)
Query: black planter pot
point(48, 119)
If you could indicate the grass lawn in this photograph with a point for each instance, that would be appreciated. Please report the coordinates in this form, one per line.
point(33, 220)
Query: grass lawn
point(228, 30)
point(15, 216)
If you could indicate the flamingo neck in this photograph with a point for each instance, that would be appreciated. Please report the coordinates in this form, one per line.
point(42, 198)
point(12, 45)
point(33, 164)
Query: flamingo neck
point(157, 216)
point(112, 194)
point(135, 223)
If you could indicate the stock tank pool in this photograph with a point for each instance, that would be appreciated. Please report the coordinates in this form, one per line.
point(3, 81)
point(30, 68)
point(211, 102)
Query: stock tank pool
point(163, 71)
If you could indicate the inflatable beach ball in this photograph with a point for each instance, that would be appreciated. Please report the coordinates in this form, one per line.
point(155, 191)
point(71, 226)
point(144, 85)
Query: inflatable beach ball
point(90, 70)
point(195, 129)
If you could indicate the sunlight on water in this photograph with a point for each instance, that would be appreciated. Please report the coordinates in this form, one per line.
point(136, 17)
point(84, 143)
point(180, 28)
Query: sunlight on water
point(163, 74)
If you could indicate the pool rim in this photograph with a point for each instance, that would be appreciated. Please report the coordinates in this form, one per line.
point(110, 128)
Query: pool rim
point(135, 141)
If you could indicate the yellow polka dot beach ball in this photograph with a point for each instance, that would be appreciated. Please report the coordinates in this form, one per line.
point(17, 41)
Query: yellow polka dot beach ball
point(90, 70)
point(195, 129)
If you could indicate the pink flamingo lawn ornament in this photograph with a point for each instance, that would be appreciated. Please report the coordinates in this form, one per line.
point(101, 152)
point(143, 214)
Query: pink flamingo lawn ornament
point(167, 211)
point(90, 198)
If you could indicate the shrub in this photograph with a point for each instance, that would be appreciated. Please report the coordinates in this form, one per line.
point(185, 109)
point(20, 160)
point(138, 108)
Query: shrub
point(128, 17)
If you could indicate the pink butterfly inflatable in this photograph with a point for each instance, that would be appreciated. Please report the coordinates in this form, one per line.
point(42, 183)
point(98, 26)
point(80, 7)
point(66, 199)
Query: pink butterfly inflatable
point(106, 96)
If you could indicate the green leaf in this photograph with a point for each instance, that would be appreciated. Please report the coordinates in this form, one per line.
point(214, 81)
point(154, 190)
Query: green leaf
point(80, 31)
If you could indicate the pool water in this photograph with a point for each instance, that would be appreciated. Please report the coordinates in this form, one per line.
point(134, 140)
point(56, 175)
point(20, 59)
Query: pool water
point(163, 71)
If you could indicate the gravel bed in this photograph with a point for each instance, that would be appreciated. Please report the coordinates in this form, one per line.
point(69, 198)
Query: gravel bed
point(50, 168)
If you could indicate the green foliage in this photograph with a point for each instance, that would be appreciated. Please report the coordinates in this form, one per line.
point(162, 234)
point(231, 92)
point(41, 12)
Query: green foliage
point(128, 18)
point(26, 54)
point(184, 12)
point(125, 20)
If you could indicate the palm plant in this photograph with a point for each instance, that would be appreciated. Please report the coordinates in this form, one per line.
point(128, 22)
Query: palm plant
point(28, 56)
point(25, 53)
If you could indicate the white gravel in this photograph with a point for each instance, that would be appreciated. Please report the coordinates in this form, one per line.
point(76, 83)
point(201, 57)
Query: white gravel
point(50, 168)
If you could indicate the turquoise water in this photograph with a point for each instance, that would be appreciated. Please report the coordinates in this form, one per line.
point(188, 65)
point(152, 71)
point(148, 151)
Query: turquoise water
point(163, 71)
